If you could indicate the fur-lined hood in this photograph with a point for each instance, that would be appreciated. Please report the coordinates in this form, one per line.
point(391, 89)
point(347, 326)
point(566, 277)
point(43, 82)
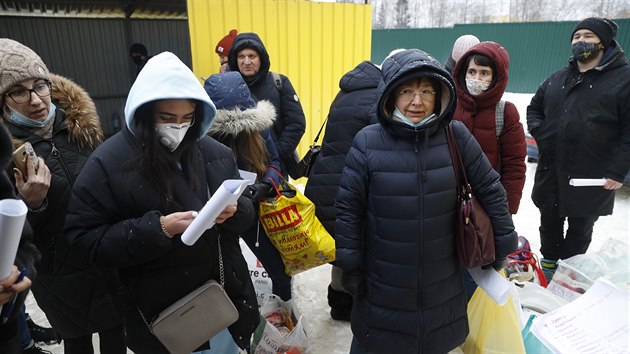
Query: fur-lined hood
point(236, 121)
point(82, 120)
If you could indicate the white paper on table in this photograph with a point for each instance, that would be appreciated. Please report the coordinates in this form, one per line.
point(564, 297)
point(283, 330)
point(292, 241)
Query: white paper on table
point(227, 193)
point(12, 217)
point(496, 286)
point(587, 182)
point(596, 322)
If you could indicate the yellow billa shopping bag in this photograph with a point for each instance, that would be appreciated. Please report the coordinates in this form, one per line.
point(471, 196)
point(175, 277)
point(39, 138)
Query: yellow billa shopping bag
point(290, 222)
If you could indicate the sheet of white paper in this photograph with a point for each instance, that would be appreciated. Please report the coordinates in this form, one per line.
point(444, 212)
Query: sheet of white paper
point(587, 182)
point(596, 322)
point(227, 193)
point(12, 216)
point(496, 286)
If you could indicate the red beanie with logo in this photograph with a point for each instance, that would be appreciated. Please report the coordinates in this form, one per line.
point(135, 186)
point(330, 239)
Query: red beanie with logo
point(224, 45)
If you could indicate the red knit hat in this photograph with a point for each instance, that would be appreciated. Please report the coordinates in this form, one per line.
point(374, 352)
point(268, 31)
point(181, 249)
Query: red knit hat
point(224, 45)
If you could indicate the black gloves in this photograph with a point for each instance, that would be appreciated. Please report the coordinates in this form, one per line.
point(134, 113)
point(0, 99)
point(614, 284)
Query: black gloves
point(258, 191)
point(498, 264)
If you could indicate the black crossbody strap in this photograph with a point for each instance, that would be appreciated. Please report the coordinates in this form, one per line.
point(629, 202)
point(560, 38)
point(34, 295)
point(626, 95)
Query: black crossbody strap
point(320, 131)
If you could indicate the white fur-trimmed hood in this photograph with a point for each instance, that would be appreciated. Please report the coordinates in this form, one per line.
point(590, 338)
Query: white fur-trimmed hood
point(235, 121)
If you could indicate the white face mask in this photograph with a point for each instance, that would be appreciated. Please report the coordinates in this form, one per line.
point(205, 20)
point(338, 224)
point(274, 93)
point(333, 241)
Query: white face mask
point(171, 134)
point(477, 87)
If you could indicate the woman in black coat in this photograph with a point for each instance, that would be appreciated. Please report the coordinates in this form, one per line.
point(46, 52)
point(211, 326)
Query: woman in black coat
point(351, 111)
point(58, 118)
point(396, 211)
point(136, 196)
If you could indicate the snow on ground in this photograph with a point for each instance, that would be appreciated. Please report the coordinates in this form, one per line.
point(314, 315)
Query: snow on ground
point(310, 288)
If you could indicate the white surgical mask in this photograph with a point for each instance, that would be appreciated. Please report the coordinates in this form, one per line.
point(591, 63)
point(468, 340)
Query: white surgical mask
point(171, 134)
point(477, 87)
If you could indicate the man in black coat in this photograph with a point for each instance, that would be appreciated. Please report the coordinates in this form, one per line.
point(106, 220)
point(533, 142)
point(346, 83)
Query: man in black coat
point(351, 111)
point(249, 57)
point(580, 118)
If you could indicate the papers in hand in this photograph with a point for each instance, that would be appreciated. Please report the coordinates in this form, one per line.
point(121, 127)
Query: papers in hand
point(496, 286)
point(12, 217)
point(587, 182)
point(227, 194)
point(596, 322)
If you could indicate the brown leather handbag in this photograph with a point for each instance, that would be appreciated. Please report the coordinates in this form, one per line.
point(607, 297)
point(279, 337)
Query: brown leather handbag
point(474, 236)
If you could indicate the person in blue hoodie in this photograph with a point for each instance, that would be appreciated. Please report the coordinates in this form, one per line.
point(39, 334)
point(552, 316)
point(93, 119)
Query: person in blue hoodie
point(137, 193)
point(396, 214)
point(244, 126)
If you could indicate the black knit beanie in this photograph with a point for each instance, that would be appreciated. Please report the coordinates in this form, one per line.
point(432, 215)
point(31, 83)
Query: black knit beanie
point(604, 28)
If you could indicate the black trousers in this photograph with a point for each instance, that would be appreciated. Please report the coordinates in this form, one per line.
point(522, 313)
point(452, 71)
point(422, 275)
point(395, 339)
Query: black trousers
point(112, 341)
point(554, 244)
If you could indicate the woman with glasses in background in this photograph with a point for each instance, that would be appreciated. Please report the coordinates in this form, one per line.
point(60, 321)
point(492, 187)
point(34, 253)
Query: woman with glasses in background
point(396, 212)
point(59, 120)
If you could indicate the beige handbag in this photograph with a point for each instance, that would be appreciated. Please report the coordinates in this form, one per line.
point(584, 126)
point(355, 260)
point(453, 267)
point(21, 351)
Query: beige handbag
point(194, 319)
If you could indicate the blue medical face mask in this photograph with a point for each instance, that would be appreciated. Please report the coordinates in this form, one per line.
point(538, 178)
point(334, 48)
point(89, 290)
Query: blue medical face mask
point(398, 114)
point(20, 119)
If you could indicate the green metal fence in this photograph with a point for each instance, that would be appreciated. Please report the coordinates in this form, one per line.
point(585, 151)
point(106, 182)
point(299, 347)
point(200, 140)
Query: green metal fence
point(537, 49)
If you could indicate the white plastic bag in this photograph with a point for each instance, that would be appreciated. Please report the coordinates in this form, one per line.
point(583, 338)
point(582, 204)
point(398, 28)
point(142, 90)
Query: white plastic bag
point(281, 329)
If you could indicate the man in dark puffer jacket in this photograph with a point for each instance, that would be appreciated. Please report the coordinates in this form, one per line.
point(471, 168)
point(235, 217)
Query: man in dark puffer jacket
point(396, 211)
point(249, 57)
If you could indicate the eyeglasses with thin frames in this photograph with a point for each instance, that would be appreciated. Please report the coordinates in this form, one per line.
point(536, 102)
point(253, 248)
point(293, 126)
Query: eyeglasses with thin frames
point(409, 95)
point(23, 95)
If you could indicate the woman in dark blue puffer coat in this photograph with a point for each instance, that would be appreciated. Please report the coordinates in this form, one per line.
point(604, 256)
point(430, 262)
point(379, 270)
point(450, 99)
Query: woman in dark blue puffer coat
point(396, 208)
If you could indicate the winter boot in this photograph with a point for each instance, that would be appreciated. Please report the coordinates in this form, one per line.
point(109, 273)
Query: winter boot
point(549, 267)
point(340, 304)
point(33, 349)
point(41, 334)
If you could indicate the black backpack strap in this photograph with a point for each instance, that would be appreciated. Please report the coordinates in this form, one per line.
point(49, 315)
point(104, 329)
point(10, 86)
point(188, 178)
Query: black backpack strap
point(277, 80)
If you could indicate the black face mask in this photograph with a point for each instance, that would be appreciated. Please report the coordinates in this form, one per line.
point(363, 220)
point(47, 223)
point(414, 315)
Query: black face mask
point(137, 60)
point(584, 51)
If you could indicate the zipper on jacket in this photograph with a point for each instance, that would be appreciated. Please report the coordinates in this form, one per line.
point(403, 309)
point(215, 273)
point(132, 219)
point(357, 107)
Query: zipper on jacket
point(422, 178)
point(417, 141)
point(57, 155)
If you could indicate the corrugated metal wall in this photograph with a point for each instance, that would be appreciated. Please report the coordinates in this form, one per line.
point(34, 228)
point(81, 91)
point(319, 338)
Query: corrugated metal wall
point(312, 43)
point(537, 49)
point(95, 52)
